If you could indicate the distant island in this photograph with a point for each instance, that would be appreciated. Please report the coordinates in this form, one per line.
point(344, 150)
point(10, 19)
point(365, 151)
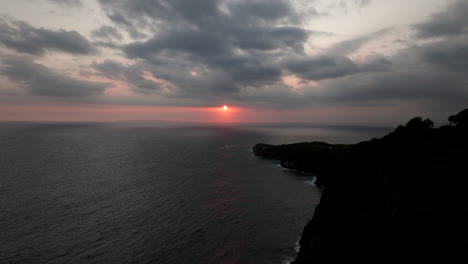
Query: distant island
point(398, 199)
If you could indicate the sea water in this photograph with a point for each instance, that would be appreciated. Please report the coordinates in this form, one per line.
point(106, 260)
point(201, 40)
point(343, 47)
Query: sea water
point(154, 192)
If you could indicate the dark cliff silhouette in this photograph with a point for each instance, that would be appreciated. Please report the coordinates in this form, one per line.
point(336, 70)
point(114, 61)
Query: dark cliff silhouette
point(398, 199)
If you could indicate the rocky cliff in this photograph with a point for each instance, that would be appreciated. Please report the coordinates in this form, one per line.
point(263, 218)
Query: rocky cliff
point(401, 198)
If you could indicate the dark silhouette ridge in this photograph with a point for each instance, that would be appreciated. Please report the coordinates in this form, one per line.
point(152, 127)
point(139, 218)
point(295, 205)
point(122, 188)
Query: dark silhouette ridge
point(398, 199)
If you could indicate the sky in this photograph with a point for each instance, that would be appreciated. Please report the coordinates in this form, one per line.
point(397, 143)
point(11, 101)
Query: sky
point(307, 61)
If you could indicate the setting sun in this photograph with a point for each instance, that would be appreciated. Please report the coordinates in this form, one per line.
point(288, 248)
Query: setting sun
point(225, 108)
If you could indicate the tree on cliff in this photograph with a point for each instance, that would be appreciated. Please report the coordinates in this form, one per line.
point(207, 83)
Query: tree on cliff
point(460, 119)
point(417, 123)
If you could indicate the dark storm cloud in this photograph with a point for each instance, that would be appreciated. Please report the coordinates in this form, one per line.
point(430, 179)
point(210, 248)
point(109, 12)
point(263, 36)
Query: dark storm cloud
point(107, 44)
point(109, 69)
point(249, 71)
point(147, 87)
point(328, 66)
point(200, 27)
point(67, 2)
point(270, 39)
point(450, 54)
point(203, 44)
point(238, 41)
point(119, 19)
point(107, 33)
point(268, 10)
point(24, 38)
point(451, 22)
point(132, 74)
point(403, 85)
point(40, 80)
point(321, 67)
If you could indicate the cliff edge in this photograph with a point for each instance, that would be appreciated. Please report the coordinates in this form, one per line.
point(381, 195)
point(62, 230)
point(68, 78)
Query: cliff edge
point(401, 198)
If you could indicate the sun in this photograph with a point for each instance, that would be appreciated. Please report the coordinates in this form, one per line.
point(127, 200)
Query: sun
point(225, 108)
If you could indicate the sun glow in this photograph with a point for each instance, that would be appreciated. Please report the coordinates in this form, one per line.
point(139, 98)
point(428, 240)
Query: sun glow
point(225, 108)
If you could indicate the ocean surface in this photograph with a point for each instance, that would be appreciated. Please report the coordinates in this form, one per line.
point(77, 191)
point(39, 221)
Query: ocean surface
point(154, 192)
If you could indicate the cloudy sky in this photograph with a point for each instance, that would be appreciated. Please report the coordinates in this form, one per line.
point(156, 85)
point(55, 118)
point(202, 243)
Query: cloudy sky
point(320, 61)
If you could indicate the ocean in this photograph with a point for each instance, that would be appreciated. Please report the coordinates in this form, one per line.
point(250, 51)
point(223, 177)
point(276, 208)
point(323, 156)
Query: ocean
point(154, 192)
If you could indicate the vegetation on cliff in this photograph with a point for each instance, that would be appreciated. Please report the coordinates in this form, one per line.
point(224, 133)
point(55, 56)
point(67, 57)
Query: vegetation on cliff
point(401, 198)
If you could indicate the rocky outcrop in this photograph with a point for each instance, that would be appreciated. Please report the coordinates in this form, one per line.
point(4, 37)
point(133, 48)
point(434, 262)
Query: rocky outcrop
point(317, 158)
